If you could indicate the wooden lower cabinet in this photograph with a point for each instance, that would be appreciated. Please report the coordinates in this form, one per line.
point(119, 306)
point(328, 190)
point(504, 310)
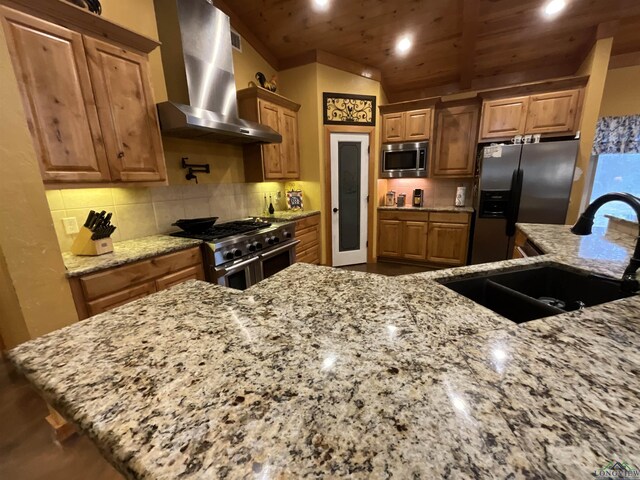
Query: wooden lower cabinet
point(308, 233)
point(99, 292)
point(448, 243)
point(390, 238)
point(438, 238)
point(414, 240)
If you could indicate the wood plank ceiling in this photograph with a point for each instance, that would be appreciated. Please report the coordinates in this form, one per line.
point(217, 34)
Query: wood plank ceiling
point(457, 44)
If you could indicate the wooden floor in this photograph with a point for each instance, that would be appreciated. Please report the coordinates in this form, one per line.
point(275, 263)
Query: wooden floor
point(27, 448)
point(388, 268)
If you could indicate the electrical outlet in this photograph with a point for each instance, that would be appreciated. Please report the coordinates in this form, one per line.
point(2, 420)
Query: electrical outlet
point(70, 225)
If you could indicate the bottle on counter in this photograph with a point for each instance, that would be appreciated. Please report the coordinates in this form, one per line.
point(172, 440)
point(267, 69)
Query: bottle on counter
point(271, 209)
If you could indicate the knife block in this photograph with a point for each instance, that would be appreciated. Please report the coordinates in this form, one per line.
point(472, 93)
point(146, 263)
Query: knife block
point(83, 245)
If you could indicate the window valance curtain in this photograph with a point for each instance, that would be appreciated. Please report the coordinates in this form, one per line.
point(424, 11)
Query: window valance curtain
point(617, 135)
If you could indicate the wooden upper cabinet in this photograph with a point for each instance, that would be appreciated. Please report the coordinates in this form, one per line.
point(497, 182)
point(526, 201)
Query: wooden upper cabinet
point(417, 125)
point(455, 144)
point(273, 161)
point(409, 126)
point(393, 127)
point(553, 112)
point(51, 68)
point(89, 104)
point(127, 111)
point(504, 117)
point(546, 113)
point(271, 153)
point(290, 147)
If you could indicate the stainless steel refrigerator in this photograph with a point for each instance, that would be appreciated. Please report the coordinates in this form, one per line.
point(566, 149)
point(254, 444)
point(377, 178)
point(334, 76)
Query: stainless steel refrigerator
point(528, 183)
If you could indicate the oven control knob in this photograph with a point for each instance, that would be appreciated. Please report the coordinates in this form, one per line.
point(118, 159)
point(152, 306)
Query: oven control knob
point(287, 234)
point(228, 255)
point(272, 240)
point(251, 247)
point(237, 252)
point(258, 245)
point(276, 239)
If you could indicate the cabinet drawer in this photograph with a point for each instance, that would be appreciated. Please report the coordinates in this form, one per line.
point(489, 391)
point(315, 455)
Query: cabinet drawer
point(307, 222)
point(307, 238)
point(192, 273)
point(120, 298)
point(120, 278)
point(400, 215)
point(449, 217)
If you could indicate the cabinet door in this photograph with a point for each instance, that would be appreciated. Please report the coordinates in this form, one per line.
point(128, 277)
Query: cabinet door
point(289, 147)
point(417, 125)
point(271, 153)
point(504, 118)
point(127, 112)
point(447, 243)
point(455, 153)
point(53, 77)
point(553, 112)
point(390, 238)
point(393, 127)
point(120, 298)
point(414, 240)
point(192, 273)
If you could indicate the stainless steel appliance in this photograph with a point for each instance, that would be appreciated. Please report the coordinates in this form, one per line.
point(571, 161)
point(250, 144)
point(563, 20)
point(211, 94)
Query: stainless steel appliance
point(405, 160)
point(402, 199)
point(241, 253)
point(519, 183)
point(199, 57)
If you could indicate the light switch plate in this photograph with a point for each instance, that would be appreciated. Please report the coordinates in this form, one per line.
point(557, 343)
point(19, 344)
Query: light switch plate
point(70, 225)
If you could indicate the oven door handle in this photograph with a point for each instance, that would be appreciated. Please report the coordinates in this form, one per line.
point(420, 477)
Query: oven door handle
point(237, 266)
point(280, 249)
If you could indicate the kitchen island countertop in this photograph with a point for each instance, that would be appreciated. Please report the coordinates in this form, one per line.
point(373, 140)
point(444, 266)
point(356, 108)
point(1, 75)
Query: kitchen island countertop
point(127, 251)
point(324, 372)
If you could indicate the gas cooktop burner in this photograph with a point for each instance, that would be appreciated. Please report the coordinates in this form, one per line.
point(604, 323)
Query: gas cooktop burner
point(227, 229)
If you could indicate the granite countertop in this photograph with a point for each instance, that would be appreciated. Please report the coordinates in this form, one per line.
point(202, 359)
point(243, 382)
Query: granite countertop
point(288, 215)
point(321, 372)
point(127, 251)
point(430, 209)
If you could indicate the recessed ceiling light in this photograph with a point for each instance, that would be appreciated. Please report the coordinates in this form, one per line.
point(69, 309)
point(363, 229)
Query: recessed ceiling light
point(554, 6)
point(321, 4)
point(404, 45)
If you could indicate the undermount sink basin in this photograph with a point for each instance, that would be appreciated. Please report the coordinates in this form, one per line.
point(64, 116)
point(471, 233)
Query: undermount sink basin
point(524, 294)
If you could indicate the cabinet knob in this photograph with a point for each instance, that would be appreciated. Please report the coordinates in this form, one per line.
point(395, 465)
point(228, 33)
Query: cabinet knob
point(335, 210)
point(121, 155)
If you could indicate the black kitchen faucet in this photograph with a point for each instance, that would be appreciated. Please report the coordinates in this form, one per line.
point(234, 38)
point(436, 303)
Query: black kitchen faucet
point(584, 224)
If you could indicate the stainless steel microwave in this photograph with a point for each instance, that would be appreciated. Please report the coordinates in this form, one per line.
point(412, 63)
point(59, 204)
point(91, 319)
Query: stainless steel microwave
point(405, 160)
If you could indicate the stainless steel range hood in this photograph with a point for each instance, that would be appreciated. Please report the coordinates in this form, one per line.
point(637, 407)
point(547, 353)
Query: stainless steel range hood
point(198, 69)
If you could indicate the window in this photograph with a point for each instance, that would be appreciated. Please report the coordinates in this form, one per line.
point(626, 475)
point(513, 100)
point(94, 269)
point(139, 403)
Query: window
point(615, 172)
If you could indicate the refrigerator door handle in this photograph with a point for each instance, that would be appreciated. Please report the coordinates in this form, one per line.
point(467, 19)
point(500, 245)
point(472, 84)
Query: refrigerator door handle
point(514, 201)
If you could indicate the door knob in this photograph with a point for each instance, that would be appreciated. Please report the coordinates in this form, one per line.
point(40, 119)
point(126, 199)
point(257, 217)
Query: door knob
point(335, 210)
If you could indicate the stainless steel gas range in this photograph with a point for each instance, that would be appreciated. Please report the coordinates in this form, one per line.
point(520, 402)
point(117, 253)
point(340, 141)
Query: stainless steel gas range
point(240, 253)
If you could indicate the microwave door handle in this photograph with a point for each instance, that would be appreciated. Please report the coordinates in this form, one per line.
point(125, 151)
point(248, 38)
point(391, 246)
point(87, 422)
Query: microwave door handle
point(280, 249)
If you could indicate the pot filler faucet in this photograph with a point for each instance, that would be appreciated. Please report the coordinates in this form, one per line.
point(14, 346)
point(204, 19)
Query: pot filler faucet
point(630, 283)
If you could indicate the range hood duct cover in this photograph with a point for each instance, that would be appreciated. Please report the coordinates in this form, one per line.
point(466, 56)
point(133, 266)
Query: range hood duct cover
point(198, 64)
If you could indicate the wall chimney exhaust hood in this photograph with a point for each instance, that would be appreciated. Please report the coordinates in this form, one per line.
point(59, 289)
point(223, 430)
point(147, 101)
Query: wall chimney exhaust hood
point(198, 69)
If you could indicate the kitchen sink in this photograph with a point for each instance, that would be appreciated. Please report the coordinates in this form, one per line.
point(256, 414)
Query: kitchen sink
point(524, 294)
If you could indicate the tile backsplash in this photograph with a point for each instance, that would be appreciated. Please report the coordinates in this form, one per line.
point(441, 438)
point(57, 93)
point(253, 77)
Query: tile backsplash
point(138, 212)
point(437, 192)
